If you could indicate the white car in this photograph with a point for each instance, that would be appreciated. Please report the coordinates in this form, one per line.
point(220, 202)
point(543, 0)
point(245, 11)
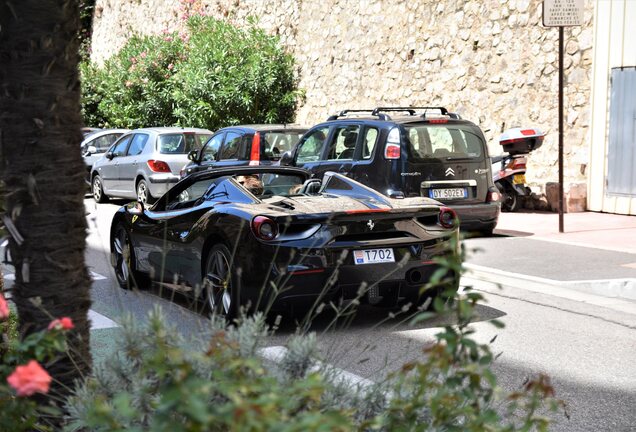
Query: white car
point(95, 145)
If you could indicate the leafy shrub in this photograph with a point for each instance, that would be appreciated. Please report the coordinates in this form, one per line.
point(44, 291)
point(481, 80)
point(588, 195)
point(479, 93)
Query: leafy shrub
point(216, 381)
point(156, 384)
point(213, 76)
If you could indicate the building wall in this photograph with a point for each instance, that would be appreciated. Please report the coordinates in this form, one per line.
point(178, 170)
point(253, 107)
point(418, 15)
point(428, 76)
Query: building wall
point(616, 47)
point(489, 60)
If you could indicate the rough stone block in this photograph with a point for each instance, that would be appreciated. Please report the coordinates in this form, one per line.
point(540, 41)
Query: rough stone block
point(575, 199)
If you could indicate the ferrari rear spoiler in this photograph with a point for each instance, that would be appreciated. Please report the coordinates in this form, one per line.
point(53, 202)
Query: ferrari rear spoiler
point(371, 213)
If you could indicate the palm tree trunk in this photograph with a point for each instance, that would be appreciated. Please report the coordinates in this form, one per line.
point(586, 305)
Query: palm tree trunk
point(43, 172)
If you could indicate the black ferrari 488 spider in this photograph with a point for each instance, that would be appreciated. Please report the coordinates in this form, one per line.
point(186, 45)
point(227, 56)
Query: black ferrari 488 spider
point(274, 238)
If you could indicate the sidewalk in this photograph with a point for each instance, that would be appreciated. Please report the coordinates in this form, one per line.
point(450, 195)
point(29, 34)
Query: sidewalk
point(590, 229)
point(596, 253)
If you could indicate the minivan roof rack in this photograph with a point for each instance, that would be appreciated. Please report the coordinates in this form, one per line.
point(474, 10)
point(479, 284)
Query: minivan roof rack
point(344, 113)
point(411, 110)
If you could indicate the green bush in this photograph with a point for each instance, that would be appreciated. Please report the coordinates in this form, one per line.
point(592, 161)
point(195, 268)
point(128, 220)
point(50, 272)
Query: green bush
point(160, 381)
point(214, 75)
point(23, 404)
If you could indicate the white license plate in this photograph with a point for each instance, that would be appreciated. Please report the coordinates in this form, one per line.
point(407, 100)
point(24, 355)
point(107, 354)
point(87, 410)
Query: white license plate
point(453, 193)
point(373, 256)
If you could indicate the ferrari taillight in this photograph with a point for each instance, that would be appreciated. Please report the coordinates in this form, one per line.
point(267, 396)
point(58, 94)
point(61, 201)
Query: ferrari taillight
point(264, 228)
point(447, 217)
point(158, 166)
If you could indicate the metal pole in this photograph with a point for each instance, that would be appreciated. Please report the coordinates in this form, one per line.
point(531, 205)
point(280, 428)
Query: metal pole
point(561, 194)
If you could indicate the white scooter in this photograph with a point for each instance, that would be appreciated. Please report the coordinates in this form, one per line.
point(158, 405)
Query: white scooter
point(509, 170)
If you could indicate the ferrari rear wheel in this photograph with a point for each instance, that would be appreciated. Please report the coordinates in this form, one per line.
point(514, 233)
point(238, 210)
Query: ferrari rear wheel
point(218, 283)
point(123, 260)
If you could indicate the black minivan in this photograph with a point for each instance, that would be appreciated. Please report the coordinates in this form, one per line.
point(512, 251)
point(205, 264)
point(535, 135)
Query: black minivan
point(418, 152)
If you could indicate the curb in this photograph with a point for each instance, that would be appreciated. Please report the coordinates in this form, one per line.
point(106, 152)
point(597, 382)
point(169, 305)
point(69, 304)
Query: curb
point(609, 288)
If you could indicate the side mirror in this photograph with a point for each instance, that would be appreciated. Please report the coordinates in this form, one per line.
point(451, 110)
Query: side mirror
point(287, 159)
point(110, 155)
point(193, 155)
point(137, 209)
point(91, 150)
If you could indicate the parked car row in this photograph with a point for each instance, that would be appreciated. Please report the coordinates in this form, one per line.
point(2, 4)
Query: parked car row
point(399, 151)
point(367, 197)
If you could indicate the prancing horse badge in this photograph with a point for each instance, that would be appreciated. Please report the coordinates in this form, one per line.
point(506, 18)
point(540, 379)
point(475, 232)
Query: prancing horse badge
point(370, 224)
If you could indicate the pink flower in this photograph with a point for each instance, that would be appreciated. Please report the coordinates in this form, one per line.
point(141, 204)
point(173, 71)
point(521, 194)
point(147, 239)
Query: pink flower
point(168, 38)
point(4, 308)
point(29, 379)
point(64, 323)
point(143, 54)
point(170, 66)
point(128, 83)
point(133, 60)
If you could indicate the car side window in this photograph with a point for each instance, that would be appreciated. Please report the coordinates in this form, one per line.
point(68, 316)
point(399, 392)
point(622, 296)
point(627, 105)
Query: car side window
point(137, 145)
point(343, 143)
point(310, 148)
point(102, 143)
point(119, 148)
point(231, 146)
point(211, 148)
point(368, 144)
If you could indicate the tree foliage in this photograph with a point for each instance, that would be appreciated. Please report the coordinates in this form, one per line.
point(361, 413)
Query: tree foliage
point(214, 75)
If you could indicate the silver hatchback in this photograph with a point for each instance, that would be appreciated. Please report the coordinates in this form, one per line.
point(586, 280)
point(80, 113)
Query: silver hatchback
point(145, 163)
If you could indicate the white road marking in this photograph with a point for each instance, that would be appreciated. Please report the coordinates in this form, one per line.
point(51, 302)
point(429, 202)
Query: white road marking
point(97, 276)
point(277, 353)
point(94, 276)
point(99, 321)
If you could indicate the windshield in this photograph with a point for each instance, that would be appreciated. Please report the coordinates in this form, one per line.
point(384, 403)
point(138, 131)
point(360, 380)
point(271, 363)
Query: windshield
point(444, 141)
point(274, 144)
point(269, 184)
point(181, 143)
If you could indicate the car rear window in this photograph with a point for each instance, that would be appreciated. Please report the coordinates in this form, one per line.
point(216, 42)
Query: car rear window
point(274, 144)
point(181, 143)
point(444, 141)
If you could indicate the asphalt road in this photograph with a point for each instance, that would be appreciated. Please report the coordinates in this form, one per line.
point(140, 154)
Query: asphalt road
point(589, 351)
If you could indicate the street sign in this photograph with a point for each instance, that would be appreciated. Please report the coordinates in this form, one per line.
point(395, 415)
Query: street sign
point(560, 13)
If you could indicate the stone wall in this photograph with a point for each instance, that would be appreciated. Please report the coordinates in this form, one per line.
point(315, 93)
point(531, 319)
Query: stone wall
point(489, 60)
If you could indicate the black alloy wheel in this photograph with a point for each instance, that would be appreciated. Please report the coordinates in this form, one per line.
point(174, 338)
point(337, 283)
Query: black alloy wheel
point(98, 190)
point(218, 283)
point(123, 259)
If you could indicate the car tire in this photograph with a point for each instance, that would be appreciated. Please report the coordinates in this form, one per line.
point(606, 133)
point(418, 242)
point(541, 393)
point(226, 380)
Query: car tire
point(97, 189)
point(219, 282)
point(143, 193)
point(123, 260)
